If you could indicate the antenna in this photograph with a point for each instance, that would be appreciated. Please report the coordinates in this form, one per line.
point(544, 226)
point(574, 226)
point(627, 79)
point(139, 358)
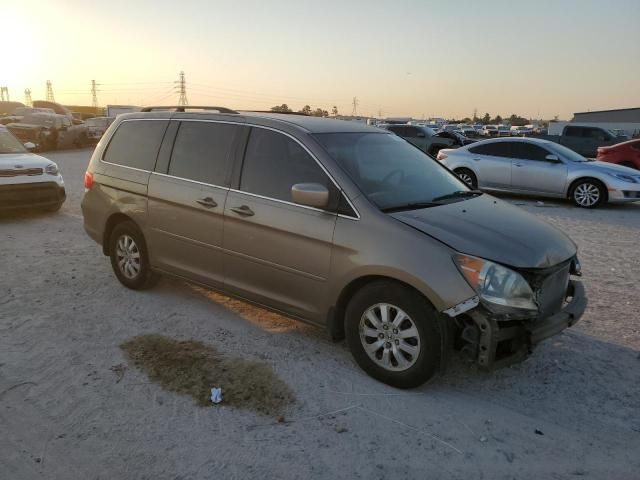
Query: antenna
point(27, 97)
point(181, 85)
point(50, 97)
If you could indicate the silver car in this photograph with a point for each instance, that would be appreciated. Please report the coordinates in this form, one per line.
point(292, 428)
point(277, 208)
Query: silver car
point(540, 167)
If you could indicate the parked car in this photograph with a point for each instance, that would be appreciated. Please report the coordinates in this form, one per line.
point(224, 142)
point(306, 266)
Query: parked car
point(504, 131)
point(426, 139)
point(342, 225)
point(626, 154)
point(489, 131)
point(521, 130)
point(20, 112)
point(27, 180)
point(585, 140)
point(468, 131)
point(96, 127)
point(542, 168)
point(49, 131)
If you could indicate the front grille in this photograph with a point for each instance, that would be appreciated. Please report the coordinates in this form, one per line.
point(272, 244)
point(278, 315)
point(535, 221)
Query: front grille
point(27, 194)
point(21, 172)
point(552, 290)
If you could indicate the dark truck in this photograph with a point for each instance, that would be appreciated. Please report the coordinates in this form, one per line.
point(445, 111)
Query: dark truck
point(49, 131)
point(584, 139)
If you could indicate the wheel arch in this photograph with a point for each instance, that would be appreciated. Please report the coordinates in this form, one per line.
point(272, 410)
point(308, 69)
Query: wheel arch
point(114, 220)
point(587, 177)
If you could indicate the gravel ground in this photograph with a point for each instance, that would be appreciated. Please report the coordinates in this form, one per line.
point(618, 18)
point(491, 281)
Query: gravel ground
point(571, 410)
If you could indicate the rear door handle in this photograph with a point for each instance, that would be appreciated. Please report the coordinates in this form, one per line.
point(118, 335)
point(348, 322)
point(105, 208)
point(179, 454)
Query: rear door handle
point(207, 202)
point(244, 210)
point(477, 159)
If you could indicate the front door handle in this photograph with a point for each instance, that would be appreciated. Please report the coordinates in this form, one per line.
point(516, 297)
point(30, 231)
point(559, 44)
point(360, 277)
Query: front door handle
point(476, 159)
point(207, 202)
point(517, 164)
point(244, 210)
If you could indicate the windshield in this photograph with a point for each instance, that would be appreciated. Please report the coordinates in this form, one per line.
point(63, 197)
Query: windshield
point(391, 172)
point(565, 152)
point(10, 144)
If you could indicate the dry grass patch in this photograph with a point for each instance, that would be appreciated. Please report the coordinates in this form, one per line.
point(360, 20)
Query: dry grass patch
point(193, 368)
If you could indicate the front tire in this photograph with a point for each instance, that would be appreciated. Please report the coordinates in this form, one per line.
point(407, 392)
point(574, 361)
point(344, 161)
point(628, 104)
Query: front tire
point(467, 176)
point(393, 334)
point(129, 257)
point(588, 193)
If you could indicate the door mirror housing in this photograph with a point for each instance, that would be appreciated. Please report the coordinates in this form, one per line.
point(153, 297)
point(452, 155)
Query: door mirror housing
point(552, 158)
point(310, 195)
point(30, 146)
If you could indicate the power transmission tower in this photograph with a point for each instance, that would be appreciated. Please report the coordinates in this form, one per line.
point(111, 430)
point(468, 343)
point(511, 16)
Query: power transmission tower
point(94, 94)
point(50, 97)
point(181, 86)
point(4, 94)
point(27, 97)
point(354, 112)
point(379, 113)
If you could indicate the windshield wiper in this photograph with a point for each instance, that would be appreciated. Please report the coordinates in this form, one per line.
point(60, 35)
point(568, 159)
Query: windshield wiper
point(409, 206)
point(458, 194)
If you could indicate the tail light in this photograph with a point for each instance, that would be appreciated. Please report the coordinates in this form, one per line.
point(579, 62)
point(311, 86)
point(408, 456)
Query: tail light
point(441, 156)
point(88, 180)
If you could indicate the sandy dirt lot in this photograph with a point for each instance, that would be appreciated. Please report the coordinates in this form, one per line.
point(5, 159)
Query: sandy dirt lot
point(572, 410)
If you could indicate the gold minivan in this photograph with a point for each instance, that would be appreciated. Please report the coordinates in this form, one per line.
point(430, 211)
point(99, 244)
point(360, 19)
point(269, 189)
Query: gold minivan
point(341, 225)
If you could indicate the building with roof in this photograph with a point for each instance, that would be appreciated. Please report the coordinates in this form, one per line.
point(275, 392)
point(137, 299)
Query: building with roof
point(627, 119)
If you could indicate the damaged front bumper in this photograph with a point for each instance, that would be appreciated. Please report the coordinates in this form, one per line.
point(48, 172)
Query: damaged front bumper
point(494, 342)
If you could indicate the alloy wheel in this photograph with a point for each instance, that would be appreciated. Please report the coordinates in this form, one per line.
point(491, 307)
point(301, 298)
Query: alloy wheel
point(128, 257)
point(390, 337)
point(466, 178)
point(586, 194)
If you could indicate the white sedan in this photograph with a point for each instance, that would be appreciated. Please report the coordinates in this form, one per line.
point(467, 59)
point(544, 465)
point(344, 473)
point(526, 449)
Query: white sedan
point(27, 180)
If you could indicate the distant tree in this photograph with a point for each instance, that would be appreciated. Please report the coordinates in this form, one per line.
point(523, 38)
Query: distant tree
point(497, 119)
point(475, 115)
point(466, 120)
point(486, 119)
point(517, 120)
point(305, 110)
point(318, 112)
point(284, 108)
point(334, 111)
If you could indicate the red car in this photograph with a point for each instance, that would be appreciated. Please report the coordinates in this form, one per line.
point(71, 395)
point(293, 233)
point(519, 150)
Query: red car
point(625, 153)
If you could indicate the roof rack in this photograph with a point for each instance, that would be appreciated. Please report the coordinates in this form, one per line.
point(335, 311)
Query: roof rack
point(182, 108)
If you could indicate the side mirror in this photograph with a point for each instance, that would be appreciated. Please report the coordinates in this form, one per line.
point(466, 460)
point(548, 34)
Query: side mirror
point(552, 158)
point(310, 194)
point(30, 146)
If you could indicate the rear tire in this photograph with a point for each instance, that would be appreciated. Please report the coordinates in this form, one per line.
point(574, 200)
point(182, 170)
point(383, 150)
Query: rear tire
point(467, 176)
point(129, 257)
point(588, 193)
point(405, 353)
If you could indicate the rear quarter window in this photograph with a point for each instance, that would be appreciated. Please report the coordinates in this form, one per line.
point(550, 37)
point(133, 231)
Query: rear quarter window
point(136, 143)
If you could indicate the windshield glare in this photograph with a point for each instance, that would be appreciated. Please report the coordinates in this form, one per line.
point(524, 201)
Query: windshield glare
point(9, 144)
point(566, 153)
point(388, 170)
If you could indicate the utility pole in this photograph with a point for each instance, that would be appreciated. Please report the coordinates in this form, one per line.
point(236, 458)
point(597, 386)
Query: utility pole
point(379, 113)
point(94, 95)
point(4, 94)
point(354, 112)
point(27, 97)
point(181, 86)
point(50, 97)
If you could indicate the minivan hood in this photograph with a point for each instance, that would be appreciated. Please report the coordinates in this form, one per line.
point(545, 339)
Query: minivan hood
point(494, 230)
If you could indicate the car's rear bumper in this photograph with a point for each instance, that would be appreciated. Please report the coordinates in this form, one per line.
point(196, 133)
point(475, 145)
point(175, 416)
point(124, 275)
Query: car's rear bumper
point(496, 343)
point(31, 195)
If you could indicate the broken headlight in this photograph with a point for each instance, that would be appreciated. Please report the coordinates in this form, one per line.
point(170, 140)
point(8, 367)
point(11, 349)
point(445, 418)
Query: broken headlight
point(496, 284)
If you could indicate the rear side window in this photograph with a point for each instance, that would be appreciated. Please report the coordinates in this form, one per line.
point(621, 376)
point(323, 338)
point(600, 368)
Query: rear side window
point(203, 151)
point(135, 144)
point(528, 151)
point(273, 163)
point(497, 149)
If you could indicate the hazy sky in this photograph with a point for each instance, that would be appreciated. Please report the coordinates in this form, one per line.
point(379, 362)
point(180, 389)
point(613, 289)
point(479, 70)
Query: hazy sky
point(404, 57)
